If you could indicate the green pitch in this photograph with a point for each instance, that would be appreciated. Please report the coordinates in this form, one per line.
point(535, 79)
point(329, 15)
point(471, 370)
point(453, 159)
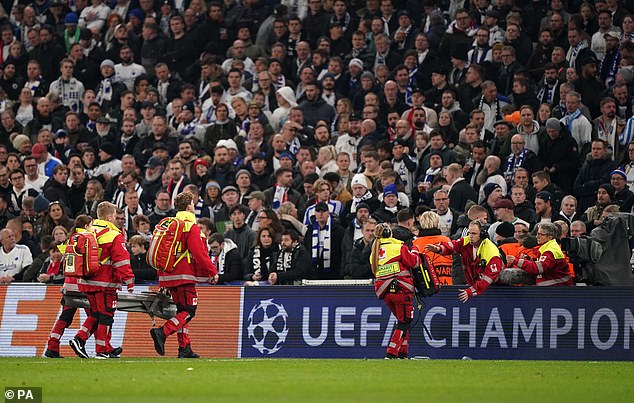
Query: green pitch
point(202, 380)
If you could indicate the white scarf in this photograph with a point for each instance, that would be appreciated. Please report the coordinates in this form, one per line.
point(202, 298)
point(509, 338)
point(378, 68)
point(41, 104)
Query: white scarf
point(279, 197)
point(357, 200)
point(285, 260)
point(104, 92)
point(324, 235)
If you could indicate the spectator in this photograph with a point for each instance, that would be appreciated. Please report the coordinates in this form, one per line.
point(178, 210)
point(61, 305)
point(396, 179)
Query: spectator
point(592, 216)
point(568, 211)
point(447, 217)
point(14, 259)
point(520, 157)
point(293, 263)
point(258, 263)
point(240, 233)
point(143, 272)
point(623, 196)
point(161, 209)
point(322, 191)
point(460, 192)
point(544, 207)
point(389, 206)
point(55, 216)
point(226, 257)
point(51, 270)
point(325, 243)
point(504, 212)
point(594, 172)
point(558, 142)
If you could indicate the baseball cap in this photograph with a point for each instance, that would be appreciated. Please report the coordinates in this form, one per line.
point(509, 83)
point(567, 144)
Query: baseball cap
point(38, 150)
point(321, 206)
point(229, 188)
point(544, 195)
point(504, 203)
point(258, 156)
point(154, 162)
point(256, 195)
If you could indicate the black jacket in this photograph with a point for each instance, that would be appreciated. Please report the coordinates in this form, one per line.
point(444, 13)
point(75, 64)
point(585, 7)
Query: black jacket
point(293, 265)
point(358, 266)
point(593, 174)
point(232, 270)
point(336, 241)
point(461, 192)
point(143, 272)
point(550, 155)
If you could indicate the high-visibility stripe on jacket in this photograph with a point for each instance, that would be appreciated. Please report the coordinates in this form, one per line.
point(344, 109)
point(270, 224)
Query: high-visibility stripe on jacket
point(482, 265)
point(197, 267)
point(551, 266)
point(395, 262)
point(114, 260)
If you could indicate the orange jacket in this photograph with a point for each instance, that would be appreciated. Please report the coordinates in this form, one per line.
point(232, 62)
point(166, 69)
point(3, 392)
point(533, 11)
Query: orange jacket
point(442, 264)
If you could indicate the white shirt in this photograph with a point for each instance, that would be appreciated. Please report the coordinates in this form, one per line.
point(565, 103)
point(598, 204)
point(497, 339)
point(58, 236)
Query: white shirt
point(97, 18)
point(15, 261)
point(112, 168)
point(444, 223)
point(127, 74)
point(37, 184)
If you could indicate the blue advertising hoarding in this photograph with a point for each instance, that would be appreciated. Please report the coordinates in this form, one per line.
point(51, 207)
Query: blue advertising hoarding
point(575, 323)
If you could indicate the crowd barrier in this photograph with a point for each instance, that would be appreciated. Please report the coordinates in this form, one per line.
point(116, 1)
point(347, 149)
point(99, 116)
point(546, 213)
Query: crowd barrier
point(576, 323)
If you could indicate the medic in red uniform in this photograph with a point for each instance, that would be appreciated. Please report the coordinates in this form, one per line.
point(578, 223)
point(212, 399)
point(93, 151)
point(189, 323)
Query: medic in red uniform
point(181, 282)
point(480, 257)
point(551, 266)
point(101, 288)
point(83, 223)
point(391, 263)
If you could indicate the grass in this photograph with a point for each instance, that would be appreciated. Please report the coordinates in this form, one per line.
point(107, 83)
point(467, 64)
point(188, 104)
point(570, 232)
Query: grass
point(288, 380)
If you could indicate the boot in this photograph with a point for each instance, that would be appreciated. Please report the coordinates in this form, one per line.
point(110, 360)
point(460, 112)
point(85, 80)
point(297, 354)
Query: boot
point(79, 347)
point(186, 352)
point(52, 354)
point(158, 335)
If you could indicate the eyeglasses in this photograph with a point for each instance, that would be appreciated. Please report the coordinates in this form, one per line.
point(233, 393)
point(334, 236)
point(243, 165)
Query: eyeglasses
point(541, 234)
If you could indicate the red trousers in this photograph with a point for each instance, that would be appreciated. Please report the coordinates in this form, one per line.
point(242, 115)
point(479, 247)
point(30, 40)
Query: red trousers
point(186, 300)
point(401, 305)
point(61, 324)
point(102, 307)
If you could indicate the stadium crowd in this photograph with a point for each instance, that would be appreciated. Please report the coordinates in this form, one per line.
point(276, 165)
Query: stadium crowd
point(300, 125)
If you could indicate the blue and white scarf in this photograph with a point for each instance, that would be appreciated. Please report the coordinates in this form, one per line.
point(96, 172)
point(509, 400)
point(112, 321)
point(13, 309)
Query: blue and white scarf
point(571, 118)
point(324, 247)
point(550, 94)
point(104, 92)
point(513, 163)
